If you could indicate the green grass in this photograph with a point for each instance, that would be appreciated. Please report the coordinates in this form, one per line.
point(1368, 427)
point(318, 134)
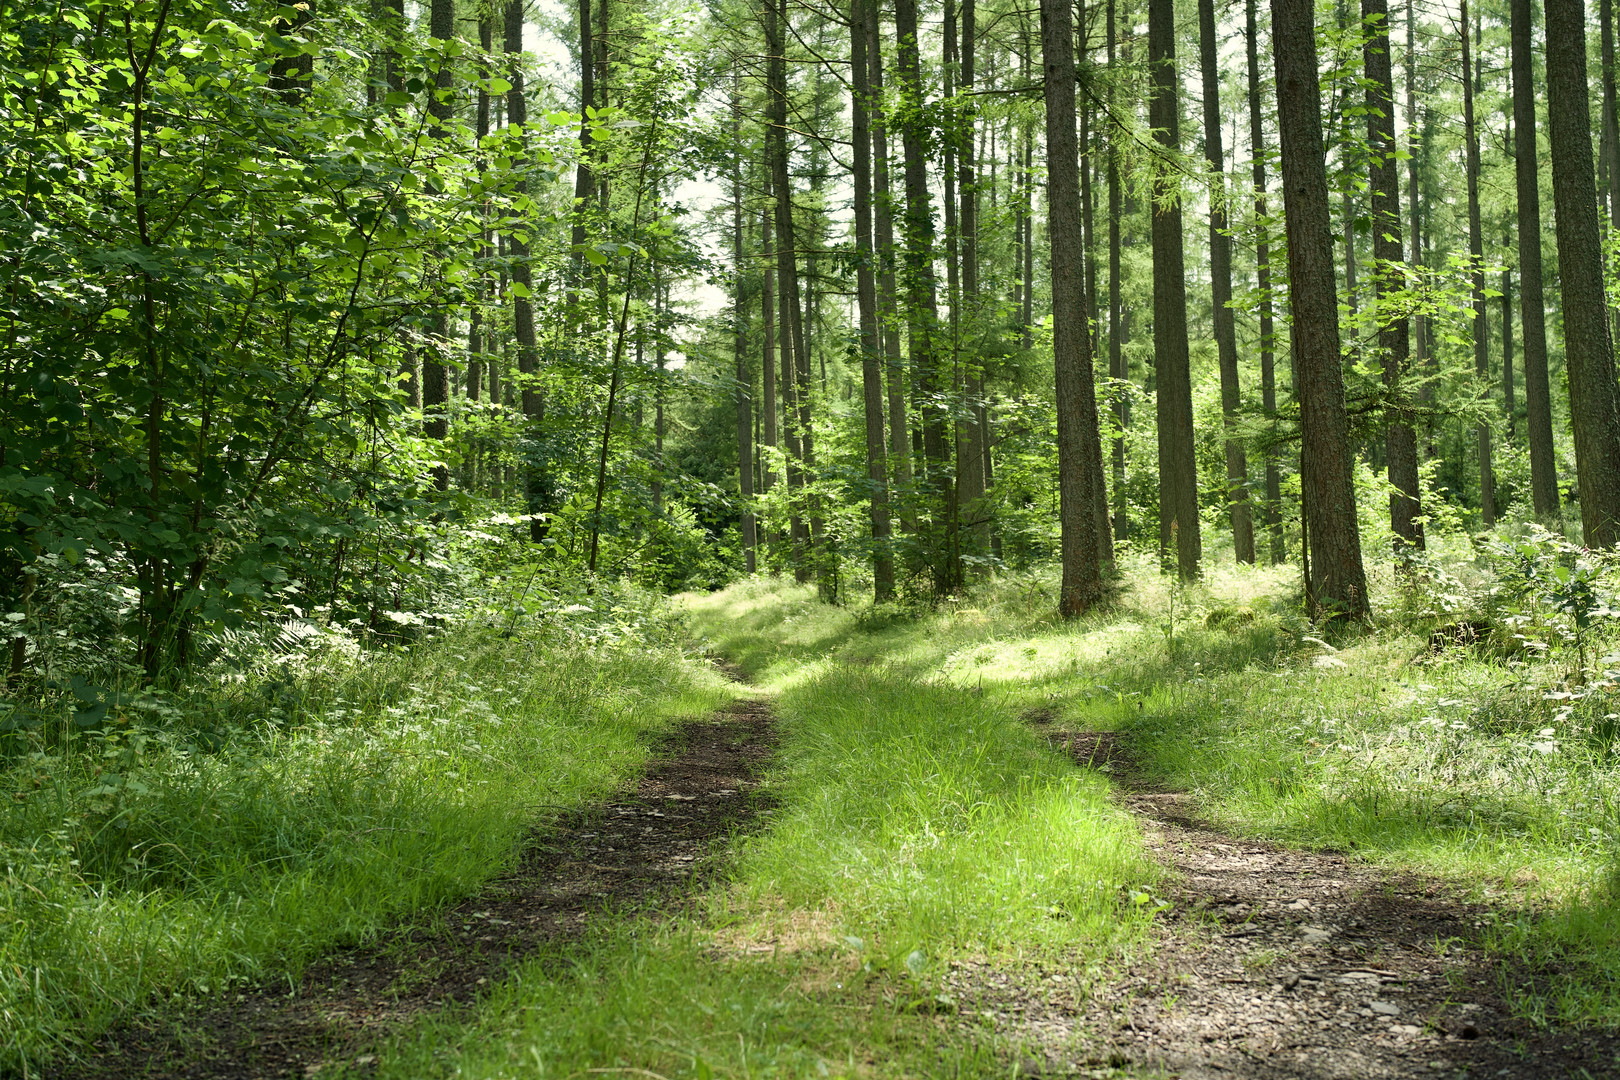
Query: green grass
point(915, 822)
point(1436, 764)
point(308, 810)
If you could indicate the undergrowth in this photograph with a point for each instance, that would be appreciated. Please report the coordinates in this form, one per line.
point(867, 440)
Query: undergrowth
point(233, 829)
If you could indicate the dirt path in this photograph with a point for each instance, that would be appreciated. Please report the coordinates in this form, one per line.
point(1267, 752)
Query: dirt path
point(1277, 963)
point(642, 851)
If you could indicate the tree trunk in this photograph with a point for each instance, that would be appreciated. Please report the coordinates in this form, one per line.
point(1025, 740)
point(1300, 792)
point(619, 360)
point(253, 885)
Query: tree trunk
point(1588, 349)
point(797, 437)
point(584, 181)
point(1476, 276)
point(435, 379)
point(1262, 267)
point(1178, 464)
point(767, 296)
point(922, 306)
point(1336, 583)
point(970, 469)
point(877, 467)
point(1416, 136)
point(1220, 275)
point(745, 377)
point(888, 302)
point(1532, 307)
point(1099, 481)
point(475, 330)
point(1079, 449)
point(1394, 341)
point(537, 487)
point(1117, 368)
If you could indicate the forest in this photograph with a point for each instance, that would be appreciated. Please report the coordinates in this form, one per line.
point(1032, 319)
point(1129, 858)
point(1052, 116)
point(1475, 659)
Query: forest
point(693, 538)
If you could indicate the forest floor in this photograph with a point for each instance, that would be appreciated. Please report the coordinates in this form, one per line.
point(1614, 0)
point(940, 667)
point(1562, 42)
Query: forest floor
point(1272, 962)
point(979, 842)
point(638, 854)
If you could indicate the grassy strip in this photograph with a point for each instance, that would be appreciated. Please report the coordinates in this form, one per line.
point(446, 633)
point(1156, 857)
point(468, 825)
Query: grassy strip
point(1452, 763)
point(344, 795)
point(915, 823)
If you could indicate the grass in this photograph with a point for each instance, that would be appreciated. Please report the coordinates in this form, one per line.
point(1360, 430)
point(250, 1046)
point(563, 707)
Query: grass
point(271, 820)
point(914, 823)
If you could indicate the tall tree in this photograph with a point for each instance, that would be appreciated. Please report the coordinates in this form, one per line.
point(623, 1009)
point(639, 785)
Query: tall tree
point(1476, 276)
point(970, 471)
point(922, 309)
point(1337, 582)
point(435, 378)
point(1117, 368)
point(536, 485)
point(1178, 464)
point(1220, 277)
point(1078, 442)
point(584, 180)
point(767, 319)
point(883, 238)
point(1262, 270)
point(1594, 401)
point(798, 436)
point(1394, 341)
point(739, 330)
point(1532, 307)
point(877, 466)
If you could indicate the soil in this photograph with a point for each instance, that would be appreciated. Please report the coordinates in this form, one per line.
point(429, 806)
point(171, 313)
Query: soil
point(645, 851)
point(1273, 963)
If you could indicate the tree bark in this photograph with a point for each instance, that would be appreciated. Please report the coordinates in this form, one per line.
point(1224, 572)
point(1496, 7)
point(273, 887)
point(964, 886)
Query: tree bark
point(797, 437)
point(1476, 276)
point(922, 312)
point(1078, 445)
point(537, 486)
point(1532, 307)
point(1394, 341)
point(970, 469)
point(1336, 582)
point(767, 295)
point(745, 377)
point(1588, 348)
point(435, 379)
point(1220, 275)
point(1611, 122)
point(888, 301)
point(1178, 464)
point(877, 467)
point(1117, 368)
point(584, 180)
point(1262, 268)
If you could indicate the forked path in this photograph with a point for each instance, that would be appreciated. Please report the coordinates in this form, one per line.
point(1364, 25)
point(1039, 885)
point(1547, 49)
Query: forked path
point(642, 851)
point(1277, 963)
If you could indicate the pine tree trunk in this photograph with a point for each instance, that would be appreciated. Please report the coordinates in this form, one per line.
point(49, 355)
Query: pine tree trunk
point(1117, 368)
point(796, 436)
point(1079, 449)
point(584, 181)
point(767, 318)
point(888, 300)
point(971, 483)
point(1336, 582)
point(1476, 277)
point(745, 377)
point(1532, 307)
point(1178, 464)
point(1588, 349)
point(1220, 274)
point(922, 314)
point(1394, 342)
point(435, 378)
point(877, 467)
point(1262, 265)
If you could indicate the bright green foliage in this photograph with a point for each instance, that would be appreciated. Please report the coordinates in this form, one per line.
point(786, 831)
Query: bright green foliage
point(305, 808)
